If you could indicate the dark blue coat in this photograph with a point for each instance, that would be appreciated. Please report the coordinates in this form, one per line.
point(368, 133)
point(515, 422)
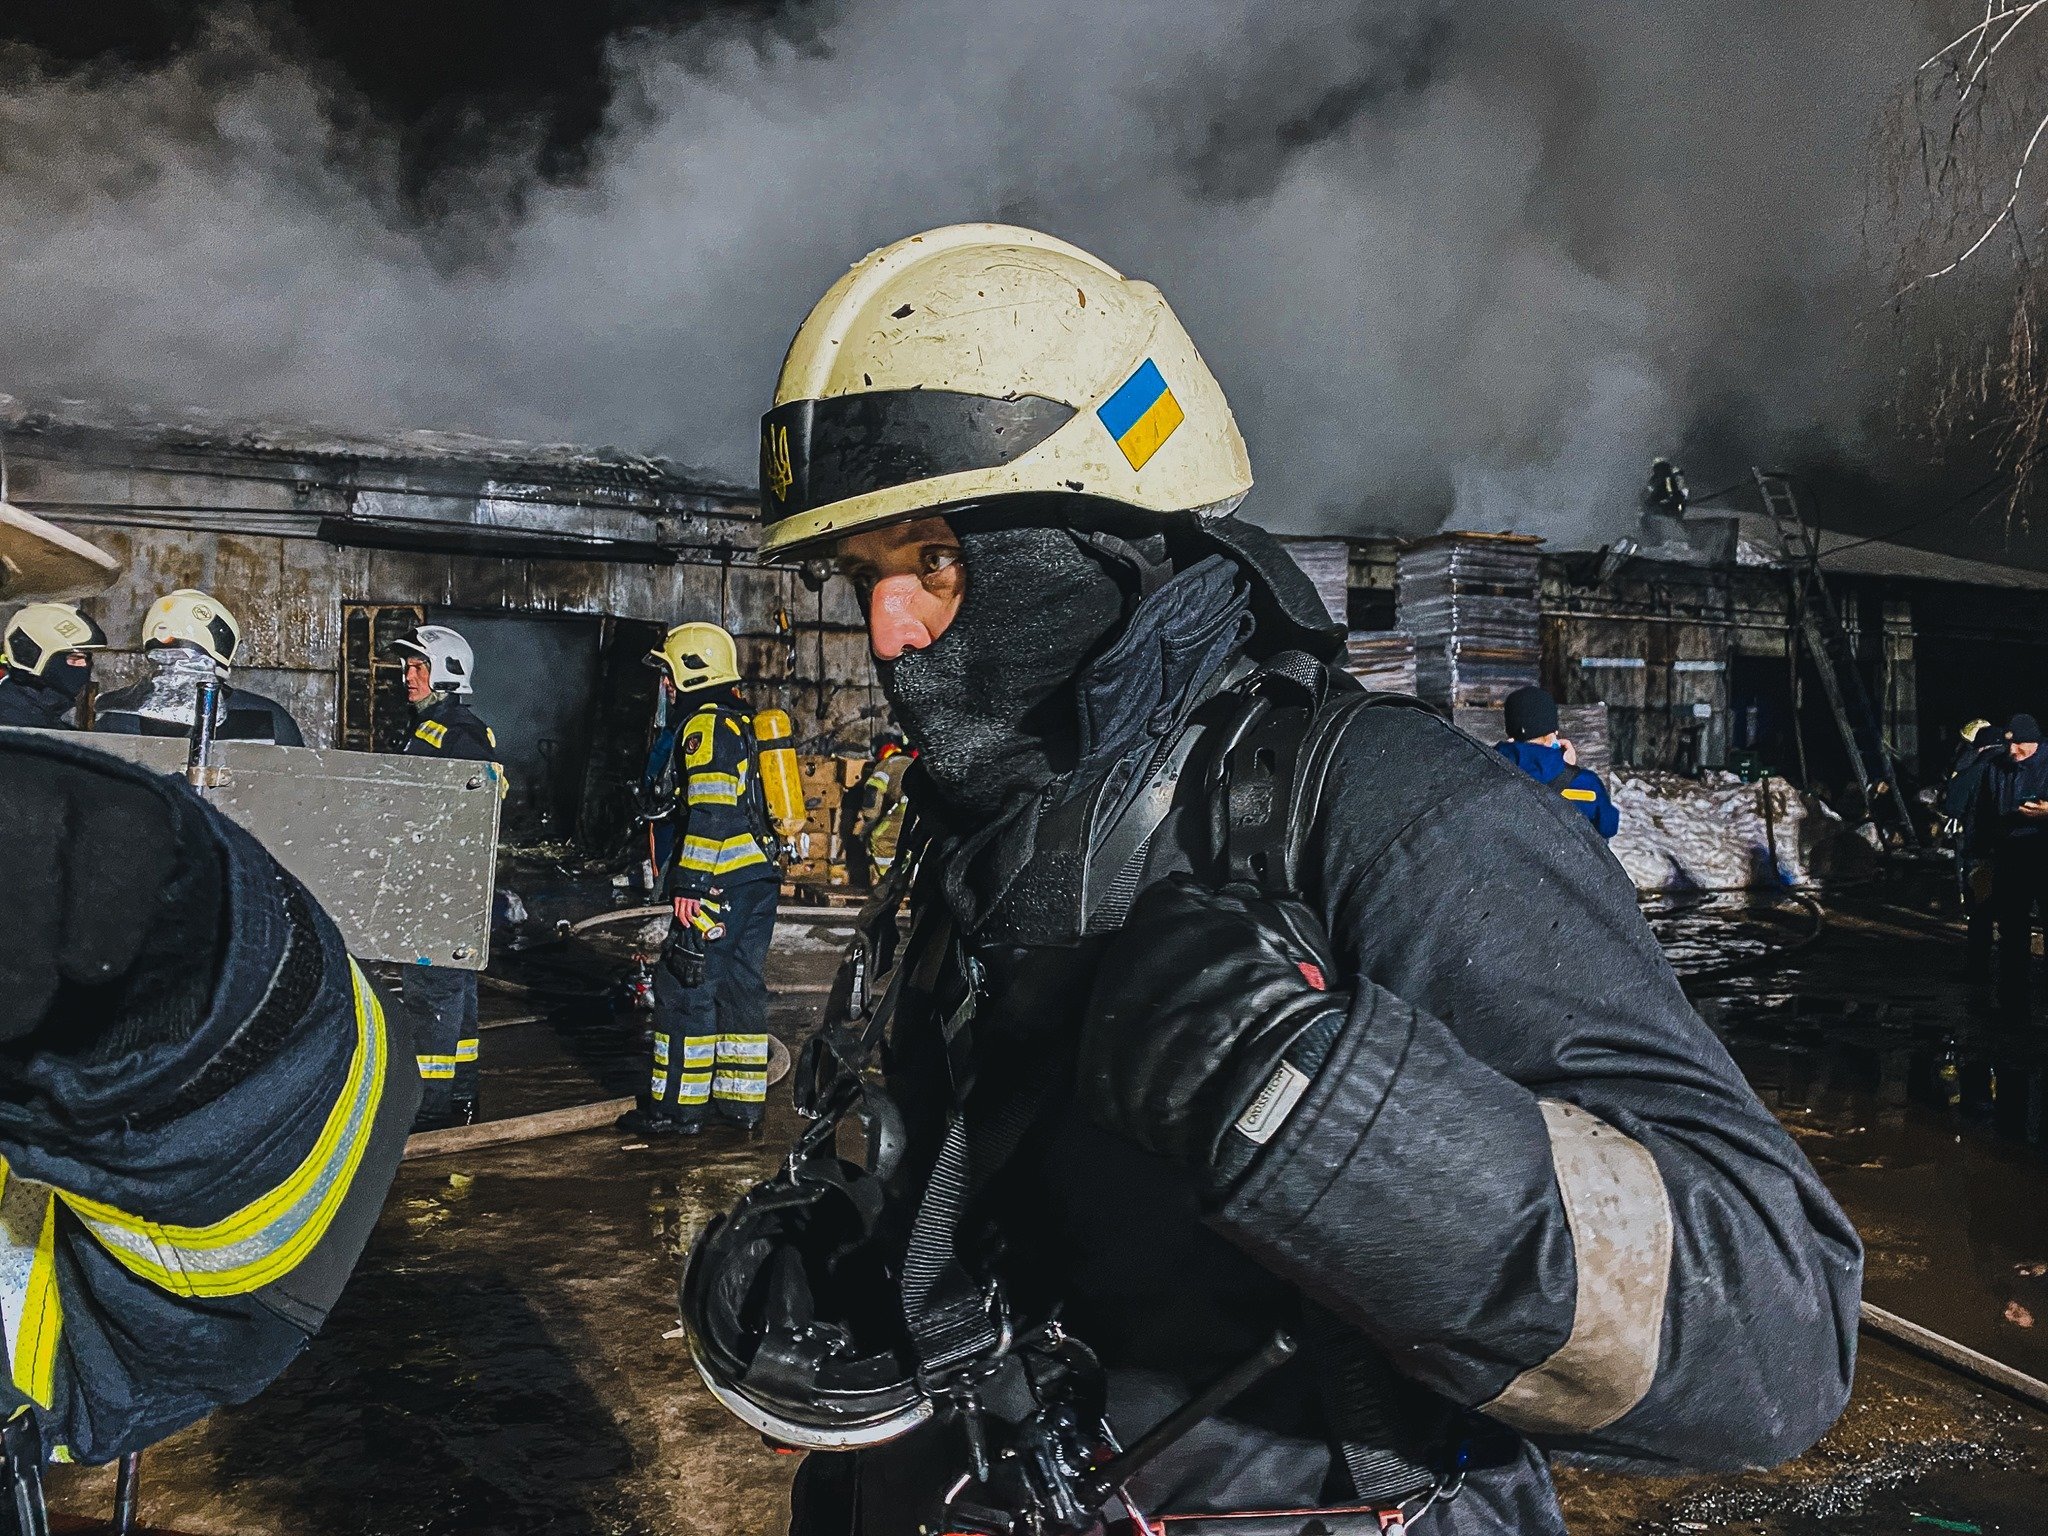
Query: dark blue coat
point(2007, 786)
point(176, 1220)
point(1581, 789)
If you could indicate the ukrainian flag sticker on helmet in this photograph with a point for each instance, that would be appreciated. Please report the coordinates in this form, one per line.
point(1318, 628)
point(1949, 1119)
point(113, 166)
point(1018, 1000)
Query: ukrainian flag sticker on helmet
point(1142, 414)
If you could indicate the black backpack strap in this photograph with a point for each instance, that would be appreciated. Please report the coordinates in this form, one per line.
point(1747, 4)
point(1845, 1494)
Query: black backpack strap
point(1267, 799)
point(1562, 779)
point(1266, 783)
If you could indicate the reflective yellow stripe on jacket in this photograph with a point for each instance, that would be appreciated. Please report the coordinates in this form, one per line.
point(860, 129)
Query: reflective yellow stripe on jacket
point(719, 856)
point(29, 1306)
point(266, 1238)
point(708, 788)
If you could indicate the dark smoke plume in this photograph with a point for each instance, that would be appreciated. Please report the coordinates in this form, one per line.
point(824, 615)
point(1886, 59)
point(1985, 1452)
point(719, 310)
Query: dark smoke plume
point(1471, 264)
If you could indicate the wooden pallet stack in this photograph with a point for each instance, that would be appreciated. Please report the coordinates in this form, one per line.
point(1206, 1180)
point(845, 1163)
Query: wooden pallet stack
point(1472, 602)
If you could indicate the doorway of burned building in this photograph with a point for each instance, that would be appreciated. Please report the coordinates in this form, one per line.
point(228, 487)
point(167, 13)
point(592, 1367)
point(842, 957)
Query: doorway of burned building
point(621, 726)
point(567, 695)
point(1760, 712)
point(536, 677)
point(570, 700)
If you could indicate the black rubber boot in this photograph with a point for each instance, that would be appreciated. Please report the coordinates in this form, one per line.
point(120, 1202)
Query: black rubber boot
point(746, 1117)
point(643, 1120)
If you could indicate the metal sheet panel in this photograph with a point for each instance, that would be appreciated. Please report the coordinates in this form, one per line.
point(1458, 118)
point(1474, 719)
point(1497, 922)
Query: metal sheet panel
point(401, 851)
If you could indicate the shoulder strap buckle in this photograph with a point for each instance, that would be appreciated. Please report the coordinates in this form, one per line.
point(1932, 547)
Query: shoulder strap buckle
point(1266, 779)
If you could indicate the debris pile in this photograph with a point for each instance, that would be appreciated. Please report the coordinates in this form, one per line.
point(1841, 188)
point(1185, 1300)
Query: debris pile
point(1718, 833)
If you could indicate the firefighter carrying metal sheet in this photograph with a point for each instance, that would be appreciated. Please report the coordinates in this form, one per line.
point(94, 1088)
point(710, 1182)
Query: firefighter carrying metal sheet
point(48, 654)
point(1222, 1014)
point(202, 1102)
point(442, 1000)
point(722, 880)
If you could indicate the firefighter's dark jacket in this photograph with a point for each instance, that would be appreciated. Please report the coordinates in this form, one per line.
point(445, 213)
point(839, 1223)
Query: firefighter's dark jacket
point(2007, 786)
point(722, 837)
point(448, 727)
point(177, 1222)
point(25, 701)
point(1527, 1172)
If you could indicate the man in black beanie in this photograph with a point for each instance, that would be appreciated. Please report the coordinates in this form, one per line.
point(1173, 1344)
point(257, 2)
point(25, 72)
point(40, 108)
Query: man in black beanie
point(2015, 812)
point(1534, 746)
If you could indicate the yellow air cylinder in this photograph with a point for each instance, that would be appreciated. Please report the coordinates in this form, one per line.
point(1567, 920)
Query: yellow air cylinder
point(782, 780)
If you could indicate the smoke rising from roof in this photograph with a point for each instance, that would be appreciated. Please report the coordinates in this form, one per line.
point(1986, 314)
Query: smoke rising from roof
point(1456, 264)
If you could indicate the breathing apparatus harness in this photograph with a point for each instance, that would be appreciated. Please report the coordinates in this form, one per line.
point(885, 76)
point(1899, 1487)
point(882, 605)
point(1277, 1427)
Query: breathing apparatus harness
point(1040, 1454)
point(658, 797)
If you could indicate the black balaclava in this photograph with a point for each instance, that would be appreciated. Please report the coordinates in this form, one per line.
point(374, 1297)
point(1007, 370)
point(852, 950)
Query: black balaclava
point(61, 677)
point(989, 704)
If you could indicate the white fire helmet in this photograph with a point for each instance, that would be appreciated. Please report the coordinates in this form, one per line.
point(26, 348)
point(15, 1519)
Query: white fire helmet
point(981, 362)
point(192, 617)
point(450, 662)
point(42, 631)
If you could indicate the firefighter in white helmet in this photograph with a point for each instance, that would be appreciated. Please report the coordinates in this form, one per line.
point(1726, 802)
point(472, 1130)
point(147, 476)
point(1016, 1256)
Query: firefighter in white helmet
point(442, 1000)
point(722, 877)
point(1225, 1009)
point(187, 638)
point(48, 654)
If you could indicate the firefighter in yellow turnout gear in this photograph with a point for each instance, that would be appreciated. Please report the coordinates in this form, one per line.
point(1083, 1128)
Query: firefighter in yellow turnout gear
point(722, 878)
point(879, 824)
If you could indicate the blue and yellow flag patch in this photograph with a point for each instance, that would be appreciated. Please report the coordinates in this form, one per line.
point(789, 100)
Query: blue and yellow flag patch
point(1142, 414)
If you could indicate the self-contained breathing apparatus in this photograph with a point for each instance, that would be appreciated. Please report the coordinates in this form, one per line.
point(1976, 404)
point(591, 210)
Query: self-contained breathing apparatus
point(775, 799)
point(774, 786)
point(842, 1304)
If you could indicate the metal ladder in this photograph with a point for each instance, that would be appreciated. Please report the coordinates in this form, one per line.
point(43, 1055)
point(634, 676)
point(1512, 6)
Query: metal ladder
point(1819, 625)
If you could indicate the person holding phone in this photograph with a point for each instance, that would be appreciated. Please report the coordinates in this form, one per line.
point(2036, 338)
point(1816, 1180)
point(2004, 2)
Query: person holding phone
point(2015, 810)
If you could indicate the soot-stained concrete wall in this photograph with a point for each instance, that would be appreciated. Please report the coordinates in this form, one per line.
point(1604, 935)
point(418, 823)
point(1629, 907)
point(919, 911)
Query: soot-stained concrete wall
point(288, 527)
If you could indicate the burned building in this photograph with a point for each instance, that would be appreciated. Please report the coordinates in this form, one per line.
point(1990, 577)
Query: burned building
point(1687, 639)
point(561, 565)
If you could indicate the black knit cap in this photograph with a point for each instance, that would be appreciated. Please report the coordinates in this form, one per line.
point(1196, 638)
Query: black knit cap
point(2023, 728)
point(1530, 712)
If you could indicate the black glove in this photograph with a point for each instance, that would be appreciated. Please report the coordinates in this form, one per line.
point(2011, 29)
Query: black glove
point(684, 953)
point(114, 897)
point(683, 957)
point(1210, 1014)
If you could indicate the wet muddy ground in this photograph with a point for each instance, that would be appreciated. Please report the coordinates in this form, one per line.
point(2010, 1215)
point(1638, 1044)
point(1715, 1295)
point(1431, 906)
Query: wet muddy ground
point(503, 1361)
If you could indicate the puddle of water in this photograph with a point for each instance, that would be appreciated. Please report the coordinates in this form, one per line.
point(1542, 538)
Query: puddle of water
point(1926, 1119)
